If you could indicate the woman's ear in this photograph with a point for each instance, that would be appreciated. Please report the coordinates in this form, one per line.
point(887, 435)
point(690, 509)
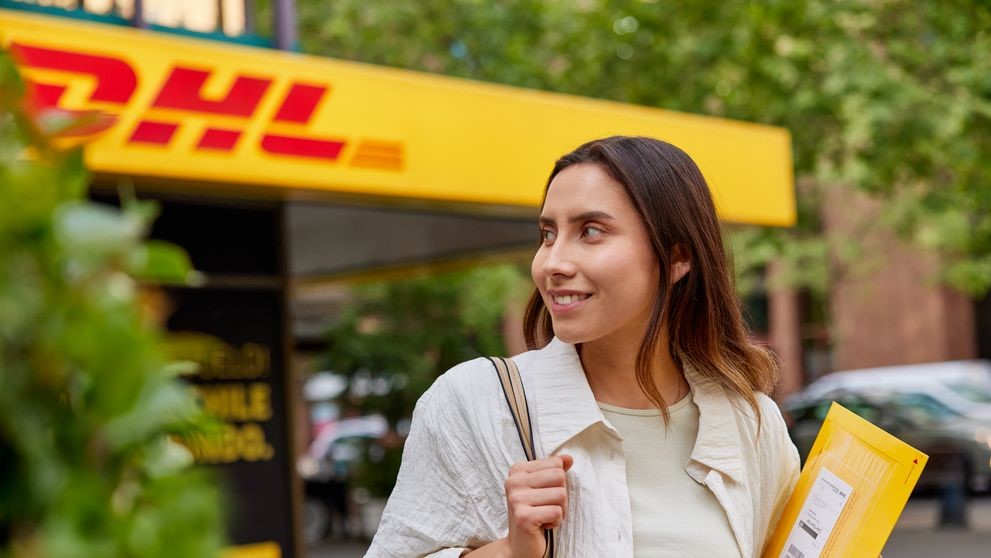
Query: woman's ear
point(681, 265)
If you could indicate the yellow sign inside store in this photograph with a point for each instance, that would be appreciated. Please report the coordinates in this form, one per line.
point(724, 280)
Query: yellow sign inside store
point(195, 112)
point(259, 550)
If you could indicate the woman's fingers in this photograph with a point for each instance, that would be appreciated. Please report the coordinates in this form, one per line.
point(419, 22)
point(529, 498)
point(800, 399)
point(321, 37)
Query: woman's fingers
point(556, 462)
point(536, 491)
point(547, 517)
point(535, 497)
point(546, 478)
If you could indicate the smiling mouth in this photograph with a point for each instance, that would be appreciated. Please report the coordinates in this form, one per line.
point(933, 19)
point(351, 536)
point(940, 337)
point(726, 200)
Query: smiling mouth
point(569, 299)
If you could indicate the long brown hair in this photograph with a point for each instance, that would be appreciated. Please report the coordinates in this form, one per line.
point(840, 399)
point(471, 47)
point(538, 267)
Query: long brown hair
point(702, 313)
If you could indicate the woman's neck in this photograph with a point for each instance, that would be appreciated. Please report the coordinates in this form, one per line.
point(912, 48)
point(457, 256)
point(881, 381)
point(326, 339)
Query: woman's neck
point(610, 367)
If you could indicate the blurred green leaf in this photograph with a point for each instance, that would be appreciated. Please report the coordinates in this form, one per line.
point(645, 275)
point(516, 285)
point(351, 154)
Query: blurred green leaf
point(11, 84)
point(97, 230)
point(57, 122)
point(161, 262)
point(87, 400)
point(167, 457)
point(163, 407)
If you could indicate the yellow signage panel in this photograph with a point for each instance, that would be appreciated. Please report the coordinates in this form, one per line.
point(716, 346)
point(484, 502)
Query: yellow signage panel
point(201, 112)
point(259, 550)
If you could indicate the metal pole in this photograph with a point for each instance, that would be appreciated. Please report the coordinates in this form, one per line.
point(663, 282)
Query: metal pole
point(249, 17)
point(138, 17)
point(285, 24)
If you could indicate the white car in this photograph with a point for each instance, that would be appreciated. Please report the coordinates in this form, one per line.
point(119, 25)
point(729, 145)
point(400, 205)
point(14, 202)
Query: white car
point(963, 386)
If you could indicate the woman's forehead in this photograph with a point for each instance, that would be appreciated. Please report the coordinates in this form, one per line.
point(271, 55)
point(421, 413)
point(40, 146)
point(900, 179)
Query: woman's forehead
point(583, 188)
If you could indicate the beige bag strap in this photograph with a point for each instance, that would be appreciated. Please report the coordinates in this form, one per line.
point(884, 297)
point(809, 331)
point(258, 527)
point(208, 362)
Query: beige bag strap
point(512, 388)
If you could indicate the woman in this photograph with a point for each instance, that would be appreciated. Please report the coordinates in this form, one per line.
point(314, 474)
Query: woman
point(648, 399)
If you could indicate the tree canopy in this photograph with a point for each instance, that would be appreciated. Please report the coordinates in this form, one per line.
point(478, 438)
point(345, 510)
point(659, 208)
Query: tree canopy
point(891, 98)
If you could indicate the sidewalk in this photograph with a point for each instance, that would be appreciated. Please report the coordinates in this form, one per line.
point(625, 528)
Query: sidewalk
point(915, 536)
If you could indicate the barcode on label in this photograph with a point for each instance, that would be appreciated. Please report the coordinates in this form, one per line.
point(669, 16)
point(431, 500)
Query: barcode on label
point(814, 533)
point(794, 552)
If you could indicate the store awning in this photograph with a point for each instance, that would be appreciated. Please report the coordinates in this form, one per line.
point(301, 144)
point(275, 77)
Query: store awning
point(196, 116)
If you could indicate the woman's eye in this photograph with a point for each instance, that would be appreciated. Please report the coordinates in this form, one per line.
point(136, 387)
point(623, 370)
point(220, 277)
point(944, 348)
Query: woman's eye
point(591, 231)
point(547, 235)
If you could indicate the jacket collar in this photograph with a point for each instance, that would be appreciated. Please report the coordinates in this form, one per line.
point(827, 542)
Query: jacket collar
point(565, 407)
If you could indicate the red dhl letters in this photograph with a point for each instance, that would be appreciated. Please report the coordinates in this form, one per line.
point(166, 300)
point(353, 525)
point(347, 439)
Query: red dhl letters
point(115, 79)
point(182, 90)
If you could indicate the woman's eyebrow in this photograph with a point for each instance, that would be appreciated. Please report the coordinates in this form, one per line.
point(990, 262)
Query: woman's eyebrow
point(586, 216)
point(591, 216)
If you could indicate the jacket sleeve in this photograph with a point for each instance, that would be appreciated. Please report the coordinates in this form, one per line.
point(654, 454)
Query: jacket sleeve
point(429, 512)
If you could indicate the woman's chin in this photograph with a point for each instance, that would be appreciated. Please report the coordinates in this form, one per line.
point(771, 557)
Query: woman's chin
point(571, 336)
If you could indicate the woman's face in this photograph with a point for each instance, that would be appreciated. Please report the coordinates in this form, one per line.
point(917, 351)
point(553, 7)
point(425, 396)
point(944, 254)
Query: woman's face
point(595, 269)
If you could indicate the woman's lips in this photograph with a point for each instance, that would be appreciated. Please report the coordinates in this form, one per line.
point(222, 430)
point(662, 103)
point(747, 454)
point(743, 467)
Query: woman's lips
point(561, 303)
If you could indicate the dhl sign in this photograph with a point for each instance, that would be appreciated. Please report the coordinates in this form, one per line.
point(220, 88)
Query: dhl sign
point(116, 83)
point(236, 119)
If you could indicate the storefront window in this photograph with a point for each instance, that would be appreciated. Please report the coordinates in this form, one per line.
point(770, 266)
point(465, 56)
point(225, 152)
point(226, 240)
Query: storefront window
point(203, 16)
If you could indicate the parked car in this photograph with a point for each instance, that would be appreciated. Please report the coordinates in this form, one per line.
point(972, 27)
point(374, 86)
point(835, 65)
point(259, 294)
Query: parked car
point(326, 469)
point(959, 447)
point(963, 386)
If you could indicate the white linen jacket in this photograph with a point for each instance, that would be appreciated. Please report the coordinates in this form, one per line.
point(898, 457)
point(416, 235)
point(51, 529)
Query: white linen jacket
point(450, 493)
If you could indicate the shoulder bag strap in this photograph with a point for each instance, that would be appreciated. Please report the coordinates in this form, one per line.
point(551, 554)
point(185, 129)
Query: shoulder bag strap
point(512, 388)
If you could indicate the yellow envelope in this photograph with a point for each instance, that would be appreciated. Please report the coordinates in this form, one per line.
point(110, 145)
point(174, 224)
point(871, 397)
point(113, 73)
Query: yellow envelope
point(852, 489)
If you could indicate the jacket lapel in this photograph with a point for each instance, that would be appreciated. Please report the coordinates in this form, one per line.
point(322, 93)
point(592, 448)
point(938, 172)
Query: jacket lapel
point(717, 459)
point(565, 406)
point(718, 444)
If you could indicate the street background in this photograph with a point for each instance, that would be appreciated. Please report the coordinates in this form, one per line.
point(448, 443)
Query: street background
point(228, 265)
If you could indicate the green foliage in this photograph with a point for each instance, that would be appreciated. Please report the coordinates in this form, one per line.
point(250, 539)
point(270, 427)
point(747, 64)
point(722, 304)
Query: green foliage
point(401, 335)
point(408, 332)
point(88, 404)
point(890, 98)
point(377, 472)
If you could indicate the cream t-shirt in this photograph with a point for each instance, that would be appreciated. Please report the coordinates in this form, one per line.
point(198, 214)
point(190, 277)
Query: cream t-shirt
point(673, 515)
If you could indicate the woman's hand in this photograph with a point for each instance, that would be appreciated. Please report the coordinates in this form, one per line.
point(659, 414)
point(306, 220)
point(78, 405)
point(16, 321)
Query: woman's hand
point(537, 499)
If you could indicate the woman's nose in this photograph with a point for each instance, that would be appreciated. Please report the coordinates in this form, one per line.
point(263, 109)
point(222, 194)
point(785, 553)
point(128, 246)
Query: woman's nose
point(559, 261)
